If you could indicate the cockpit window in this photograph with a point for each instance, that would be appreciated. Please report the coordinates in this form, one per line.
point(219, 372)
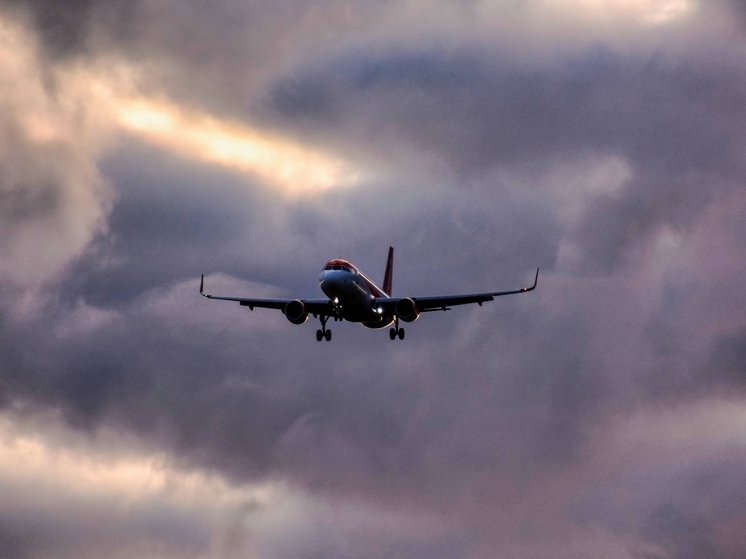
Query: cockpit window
point(343, 267)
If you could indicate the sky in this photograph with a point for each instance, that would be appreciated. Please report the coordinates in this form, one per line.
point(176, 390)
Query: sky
point(145, 143)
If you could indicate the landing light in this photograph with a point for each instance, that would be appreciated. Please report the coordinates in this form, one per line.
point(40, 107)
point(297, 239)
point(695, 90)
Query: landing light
point(336, 300)
point(379, 310)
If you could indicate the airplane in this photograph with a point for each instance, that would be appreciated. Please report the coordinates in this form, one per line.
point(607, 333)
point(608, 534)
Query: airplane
point(352, 296)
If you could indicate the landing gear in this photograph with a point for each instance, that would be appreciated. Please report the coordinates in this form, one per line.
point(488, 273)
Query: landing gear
point(323, 333)
point(396, 331)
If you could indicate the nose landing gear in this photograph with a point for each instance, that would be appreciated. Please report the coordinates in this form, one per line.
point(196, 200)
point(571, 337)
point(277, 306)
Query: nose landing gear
point(323, 333)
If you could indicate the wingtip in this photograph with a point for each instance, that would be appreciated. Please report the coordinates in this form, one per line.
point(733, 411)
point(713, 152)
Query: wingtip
point(202, 285)
point(536, 281)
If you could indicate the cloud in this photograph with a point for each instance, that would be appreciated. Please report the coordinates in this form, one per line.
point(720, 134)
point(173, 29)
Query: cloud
point(60, 116)
point(645, 10)
point(54, 198)
point(476, 113)
point(601, 411)
point(65, 28)
point(76, 496)
point(295, 168)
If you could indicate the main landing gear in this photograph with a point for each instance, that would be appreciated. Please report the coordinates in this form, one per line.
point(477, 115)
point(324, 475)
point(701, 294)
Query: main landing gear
point(396, 331)
point(323, 333)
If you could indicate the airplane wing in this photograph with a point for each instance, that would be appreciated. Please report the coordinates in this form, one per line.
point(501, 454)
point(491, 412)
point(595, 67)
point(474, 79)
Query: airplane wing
point(444, 302)
point(313, 306)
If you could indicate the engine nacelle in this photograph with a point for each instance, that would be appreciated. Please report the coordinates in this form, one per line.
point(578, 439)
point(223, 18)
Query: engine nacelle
point(295, 312)
point(406, 310)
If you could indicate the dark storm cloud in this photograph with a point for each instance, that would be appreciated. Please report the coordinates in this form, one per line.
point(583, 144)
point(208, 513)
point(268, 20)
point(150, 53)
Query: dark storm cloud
point(617, 227)
point(678, 124)
point(242, 408)
point(478, 112)
point(238, 405)
point(65, 27)
point(125, 371)
point(163, 227)
point(495, 420)
point(373, 423)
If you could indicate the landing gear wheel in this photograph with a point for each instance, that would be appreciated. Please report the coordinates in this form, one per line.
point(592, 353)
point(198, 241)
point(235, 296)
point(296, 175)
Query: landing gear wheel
point(323, 333)
point(401, 333)
point(392, 334)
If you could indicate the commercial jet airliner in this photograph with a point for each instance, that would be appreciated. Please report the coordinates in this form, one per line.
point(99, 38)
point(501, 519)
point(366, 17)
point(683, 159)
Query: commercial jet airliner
point(352, 296)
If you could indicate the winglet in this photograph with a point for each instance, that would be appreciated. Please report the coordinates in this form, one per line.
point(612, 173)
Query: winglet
point(202, 286)
point(388, 274)
point(536, 280)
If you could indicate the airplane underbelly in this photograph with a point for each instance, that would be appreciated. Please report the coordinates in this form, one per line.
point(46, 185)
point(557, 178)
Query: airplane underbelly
point(378, 322)
point(356, 303)
point(358, 307)
point(353, 300)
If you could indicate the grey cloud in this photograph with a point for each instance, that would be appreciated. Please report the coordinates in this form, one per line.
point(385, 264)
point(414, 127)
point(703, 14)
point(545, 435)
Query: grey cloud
point(95, 532)
point(217, 56)
point(112, 372)
point(684, 537)
point(478, 111)
point(87, 515)
point(678, 125)
point(173, 219)
point(66, 27)
point(179, 220)
point(53, 197)
point(730, 360)
point(701, 521)
point(39, 187)
point(236, 411)
point(736, 8)
point(389, 423)
point(615, 228)
point(484, 418)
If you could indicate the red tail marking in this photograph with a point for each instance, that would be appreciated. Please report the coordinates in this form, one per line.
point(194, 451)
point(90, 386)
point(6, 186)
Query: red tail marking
point(388, 275)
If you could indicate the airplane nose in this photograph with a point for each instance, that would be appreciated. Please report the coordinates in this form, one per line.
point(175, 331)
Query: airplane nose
point(331, 281)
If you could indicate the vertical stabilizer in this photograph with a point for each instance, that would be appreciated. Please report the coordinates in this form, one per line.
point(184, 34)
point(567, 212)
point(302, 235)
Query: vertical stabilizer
point(387, 276)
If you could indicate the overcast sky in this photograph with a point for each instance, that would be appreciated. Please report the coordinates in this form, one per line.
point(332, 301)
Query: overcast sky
point(145, 143)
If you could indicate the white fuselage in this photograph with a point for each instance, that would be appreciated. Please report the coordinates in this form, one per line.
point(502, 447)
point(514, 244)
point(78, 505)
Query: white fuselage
point(353, 294)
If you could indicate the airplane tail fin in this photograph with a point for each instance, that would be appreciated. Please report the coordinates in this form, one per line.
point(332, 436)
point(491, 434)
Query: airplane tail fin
point(388, 275)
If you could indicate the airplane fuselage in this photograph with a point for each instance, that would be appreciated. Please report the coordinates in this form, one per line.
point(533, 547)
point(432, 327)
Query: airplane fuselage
point(353, 294)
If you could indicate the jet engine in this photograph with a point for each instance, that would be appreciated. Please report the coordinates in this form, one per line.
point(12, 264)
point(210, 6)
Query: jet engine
point(406, 310)
point(295, 311)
